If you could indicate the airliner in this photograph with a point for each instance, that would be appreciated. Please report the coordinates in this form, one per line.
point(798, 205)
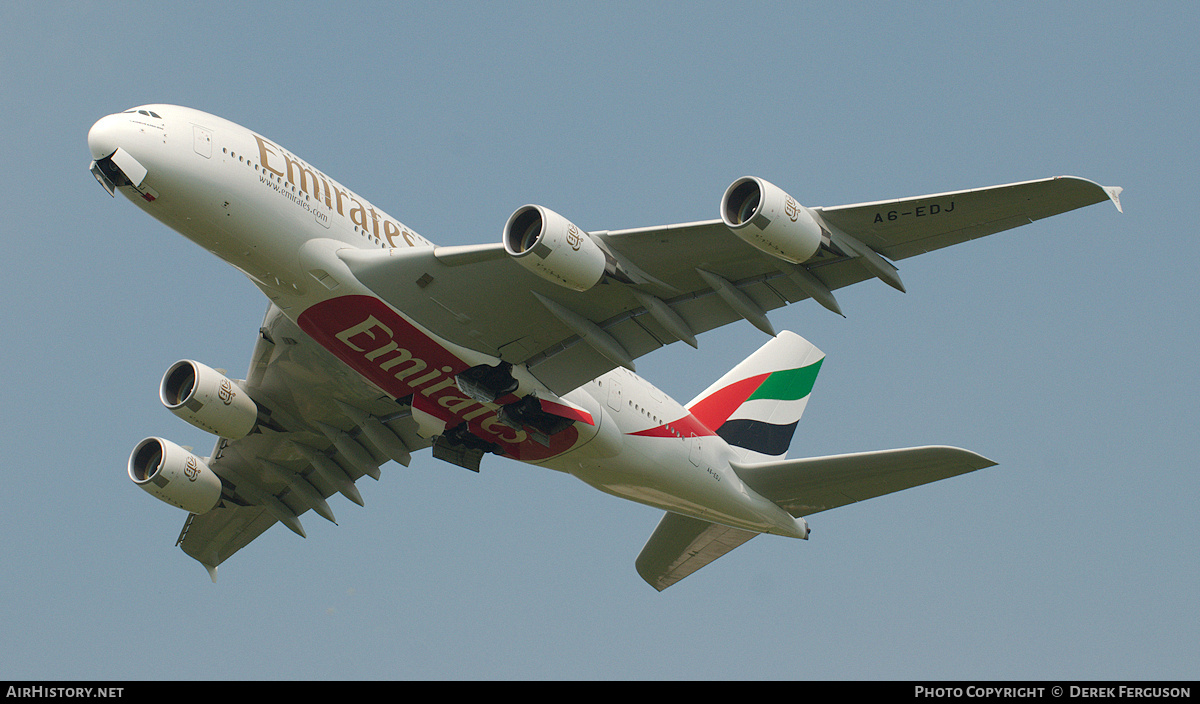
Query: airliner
point(377, 343)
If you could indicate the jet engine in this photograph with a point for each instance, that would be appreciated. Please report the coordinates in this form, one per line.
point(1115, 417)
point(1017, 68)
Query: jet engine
point(770, 220)
point(174, 475)
point(550, 246)
point(208, 400)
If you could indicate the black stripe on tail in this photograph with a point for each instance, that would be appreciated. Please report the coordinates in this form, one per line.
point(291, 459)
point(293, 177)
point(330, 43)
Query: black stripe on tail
point(758, 436)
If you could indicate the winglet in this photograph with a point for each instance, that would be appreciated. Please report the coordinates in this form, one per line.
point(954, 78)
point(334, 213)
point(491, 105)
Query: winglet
point(212, 572)
point(1114, 194)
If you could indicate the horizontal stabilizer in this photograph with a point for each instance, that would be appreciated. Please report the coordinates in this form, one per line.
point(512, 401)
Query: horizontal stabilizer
point(814, 484)
point(681, 545)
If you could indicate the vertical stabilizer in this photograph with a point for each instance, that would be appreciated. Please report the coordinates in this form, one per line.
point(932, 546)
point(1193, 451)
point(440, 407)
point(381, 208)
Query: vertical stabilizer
point(756, 406)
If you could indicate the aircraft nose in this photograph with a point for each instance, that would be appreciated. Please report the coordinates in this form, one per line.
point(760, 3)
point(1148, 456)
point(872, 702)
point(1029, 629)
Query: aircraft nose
point(110, 141)
point(105, 136)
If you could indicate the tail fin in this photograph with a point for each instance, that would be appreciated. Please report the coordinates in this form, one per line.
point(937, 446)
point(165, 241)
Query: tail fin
point(756, 406)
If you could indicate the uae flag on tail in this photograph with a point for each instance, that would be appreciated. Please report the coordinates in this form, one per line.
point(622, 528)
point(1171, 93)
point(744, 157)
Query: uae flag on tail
point(756, 406)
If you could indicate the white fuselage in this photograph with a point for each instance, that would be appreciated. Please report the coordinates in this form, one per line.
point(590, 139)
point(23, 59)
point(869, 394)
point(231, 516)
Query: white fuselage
point(281, 221)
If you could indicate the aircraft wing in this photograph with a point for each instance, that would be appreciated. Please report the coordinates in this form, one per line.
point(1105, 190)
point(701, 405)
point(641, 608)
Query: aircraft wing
point(902, 228)
point(324, 417)
point(687, 278)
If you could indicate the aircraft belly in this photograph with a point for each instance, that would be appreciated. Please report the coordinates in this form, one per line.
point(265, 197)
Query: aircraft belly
point(405, 361)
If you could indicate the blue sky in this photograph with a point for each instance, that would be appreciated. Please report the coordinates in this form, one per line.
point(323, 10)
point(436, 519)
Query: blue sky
point(1063, 350)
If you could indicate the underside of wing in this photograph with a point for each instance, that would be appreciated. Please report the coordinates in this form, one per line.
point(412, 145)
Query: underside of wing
point(905, 227)
point(320, 429)
point(489, 303)
point(213, 537)
point(670, 283)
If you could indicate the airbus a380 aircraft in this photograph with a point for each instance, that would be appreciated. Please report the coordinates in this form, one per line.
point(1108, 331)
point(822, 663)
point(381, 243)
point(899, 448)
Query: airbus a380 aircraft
point(377, 343)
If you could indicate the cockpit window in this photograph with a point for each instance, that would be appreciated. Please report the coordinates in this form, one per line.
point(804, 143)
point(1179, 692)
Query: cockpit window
point(149, 113)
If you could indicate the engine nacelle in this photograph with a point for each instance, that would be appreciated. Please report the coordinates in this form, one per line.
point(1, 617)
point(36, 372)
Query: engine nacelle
point(550, 246)
point(174, 475)
point(208, 400)
point(769, 219)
